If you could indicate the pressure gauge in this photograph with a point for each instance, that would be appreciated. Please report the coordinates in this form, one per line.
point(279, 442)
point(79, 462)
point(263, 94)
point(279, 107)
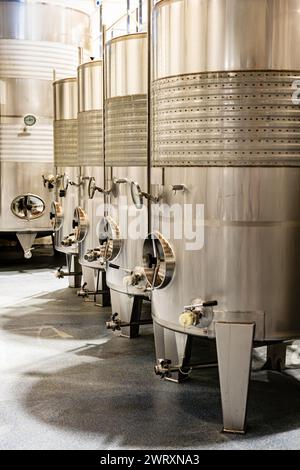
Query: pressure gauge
point(29, 120)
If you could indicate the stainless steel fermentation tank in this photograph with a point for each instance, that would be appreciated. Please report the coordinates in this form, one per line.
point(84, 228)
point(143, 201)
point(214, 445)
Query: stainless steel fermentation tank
point(125, 162)
point(68, 177)
point(226, 136)
point(90, 153)
point(35, 38)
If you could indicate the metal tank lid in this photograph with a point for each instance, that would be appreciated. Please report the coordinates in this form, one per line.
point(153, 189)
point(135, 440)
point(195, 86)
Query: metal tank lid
point(64, 80)
point(126, 37)
point(90, 63)
point(158, 3)
point(86, 6)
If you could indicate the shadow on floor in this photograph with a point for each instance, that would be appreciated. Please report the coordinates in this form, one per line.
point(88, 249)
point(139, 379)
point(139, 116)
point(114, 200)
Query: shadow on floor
point(119, 397)
point(12, 258)
point(57, 315)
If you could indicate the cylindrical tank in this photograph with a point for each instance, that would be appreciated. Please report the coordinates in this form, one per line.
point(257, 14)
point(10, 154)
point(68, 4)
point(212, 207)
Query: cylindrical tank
point(67, 170)
point(225, 131)
point(90, 155)
point(90, 152)
point(35, 39)
point(126, 161)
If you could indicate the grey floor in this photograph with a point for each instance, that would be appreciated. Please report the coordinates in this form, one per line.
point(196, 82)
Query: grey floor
point(67, 383)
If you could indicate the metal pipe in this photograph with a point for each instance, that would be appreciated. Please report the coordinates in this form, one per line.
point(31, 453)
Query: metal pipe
point(80, 55)
point(149, 37)
point(128, 16)
point(101, 30)
point(103, 114)
point(140, 9)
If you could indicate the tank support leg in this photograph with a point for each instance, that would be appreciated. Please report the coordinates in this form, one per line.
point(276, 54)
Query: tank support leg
point(234, 348)
point(173, 351)
point(128, 315)
point(73, 267)
point(276, 357)
point(105, 300)
point(136, 316)
point(132, 331)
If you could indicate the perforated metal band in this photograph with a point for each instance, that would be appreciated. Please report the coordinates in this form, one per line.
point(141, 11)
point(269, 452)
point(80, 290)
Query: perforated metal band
point(65, 143)
point(126, 131)
point(235, 118)
point(90, 138)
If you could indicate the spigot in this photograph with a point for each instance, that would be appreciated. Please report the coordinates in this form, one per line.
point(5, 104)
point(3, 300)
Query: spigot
point(136, 278)
point(49, 180)
point(162, 368)
point(200, 313)
point(114, 324)
point(83, 292)
point(69, 240)
point(28, 254)
point(59, 273)
point(92, 255)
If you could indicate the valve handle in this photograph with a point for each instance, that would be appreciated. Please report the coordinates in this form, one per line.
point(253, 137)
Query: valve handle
point(114, 266)
point(208, 303)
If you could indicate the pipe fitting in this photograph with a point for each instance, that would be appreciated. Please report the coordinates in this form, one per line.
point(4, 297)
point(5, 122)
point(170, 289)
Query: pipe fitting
point(114, 324)
point(69, 240)
point(83, 292)
point(200, 313)
point(92, 255)
point(162, 368)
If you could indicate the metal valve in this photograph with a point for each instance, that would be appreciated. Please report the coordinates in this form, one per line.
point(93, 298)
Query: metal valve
point(28, 253)
point(138, 195)
point(200, 313)
point(114, 324)
point(162, 368)
point(92, 255)
point(92, 188)
point(83, 292)
point(77, 185)
point(69, 240)
point(49, 180)
point(196, 306)
point(59, 273)
point(137, 278)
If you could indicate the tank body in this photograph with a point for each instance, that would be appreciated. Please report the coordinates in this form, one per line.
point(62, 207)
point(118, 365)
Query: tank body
point(126, 158)
point(33, 43)
point(66, 164)
point(90, 154)
point(226, 130)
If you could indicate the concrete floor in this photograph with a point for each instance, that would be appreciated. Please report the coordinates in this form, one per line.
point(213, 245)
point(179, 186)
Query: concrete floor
point(68, 383)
